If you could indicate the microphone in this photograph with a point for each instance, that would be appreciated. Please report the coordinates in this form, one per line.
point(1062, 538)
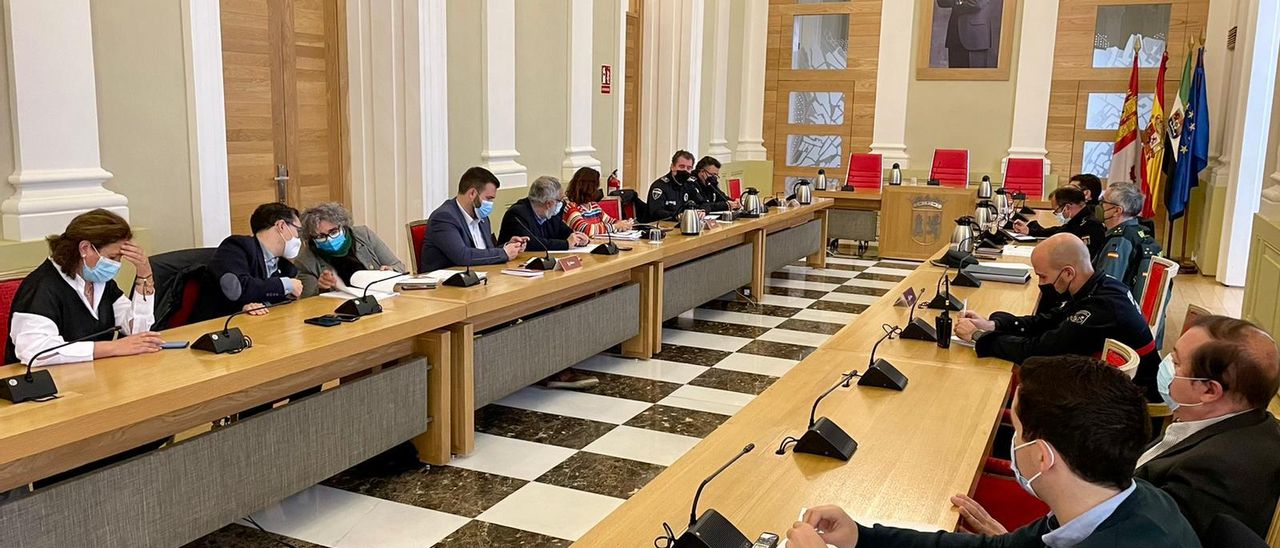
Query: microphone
point(38, 385)
point(917, 329)
point(712, 529)
point(824, 437)
point(230, 339)
point(537, 263)
point(944, 300)
point(608, 248)
point(466, 278)
point(880, 373)
point(365, 304)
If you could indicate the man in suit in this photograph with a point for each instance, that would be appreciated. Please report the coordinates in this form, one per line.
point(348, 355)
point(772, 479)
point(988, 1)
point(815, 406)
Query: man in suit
point(1079, 426)
point(1219, 455)
point(537, 218)
point(459, 232)
point(973, 33)
point(255, 270)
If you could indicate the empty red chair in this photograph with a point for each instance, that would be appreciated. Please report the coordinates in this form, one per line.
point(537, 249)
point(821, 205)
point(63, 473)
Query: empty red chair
point(950, 167)
point(866, 172)
point(417, 234)
point(735, 188)
point(8, 289)
point(1025, 175)
point(612, 206)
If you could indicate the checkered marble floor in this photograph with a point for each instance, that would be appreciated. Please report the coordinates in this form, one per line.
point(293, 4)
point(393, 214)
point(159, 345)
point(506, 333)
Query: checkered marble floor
point(550, 464)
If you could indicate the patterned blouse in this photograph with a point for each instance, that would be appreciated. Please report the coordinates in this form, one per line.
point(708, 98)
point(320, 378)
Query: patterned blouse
point(588, 218)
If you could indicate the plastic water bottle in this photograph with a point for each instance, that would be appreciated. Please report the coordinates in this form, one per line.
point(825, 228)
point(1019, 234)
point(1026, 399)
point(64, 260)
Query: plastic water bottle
point(895, 175)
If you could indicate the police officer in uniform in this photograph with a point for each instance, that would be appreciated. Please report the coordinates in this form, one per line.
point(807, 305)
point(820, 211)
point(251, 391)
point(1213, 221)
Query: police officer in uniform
point(671, 191)
point(1091, 186)
point(1129, 246)
point(709, 196)
point(1074, 217)
point(1094, 308)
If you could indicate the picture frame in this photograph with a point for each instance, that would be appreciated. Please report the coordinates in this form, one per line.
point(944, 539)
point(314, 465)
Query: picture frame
point(933, 55)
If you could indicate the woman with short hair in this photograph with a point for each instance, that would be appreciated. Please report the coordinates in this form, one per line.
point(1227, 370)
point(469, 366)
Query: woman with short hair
point(73, 294)
point(582, 208)
point(335, 250)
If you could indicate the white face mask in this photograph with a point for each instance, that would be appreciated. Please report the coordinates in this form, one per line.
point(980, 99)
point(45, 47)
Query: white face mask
point(292, 246)
point(1013, 463)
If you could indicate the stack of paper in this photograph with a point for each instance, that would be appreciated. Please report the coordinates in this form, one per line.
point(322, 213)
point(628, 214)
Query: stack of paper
point(375, 280)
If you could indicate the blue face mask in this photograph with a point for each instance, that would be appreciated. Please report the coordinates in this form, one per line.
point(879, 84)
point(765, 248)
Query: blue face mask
point(332, 244)
point(1017, 474)
point(484, 209)
point(1164, 380)
point(104, 271)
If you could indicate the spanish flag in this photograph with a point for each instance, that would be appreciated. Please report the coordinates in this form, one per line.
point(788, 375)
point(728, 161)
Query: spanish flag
point(1126, 156)
point(1153, 154)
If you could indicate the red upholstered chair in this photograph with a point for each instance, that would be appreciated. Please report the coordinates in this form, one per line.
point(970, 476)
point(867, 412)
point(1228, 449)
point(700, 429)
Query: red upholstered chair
point(1025, 175)
point(866, 172)
point(1005, 500)
point(190, 297)
point(612, 206)
point(735, 188)
point(950, 167)
point(1155, 295)
point(417, 231)
point(8, 288)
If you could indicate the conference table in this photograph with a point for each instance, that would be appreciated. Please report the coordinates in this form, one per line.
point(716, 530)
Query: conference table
point(916, 447)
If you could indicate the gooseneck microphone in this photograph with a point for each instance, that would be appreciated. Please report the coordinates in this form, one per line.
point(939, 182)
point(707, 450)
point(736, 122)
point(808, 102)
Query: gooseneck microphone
point(231, 339)
point(917, 329)
point(466, 278)
point(365, 304)
point(944, 300)
point(880, 373)
point(711, 529)
point(38, 385)
point(547, 262)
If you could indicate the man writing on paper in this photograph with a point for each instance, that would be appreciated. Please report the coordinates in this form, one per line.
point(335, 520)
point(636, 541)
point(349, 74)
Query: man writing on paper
point(537, 219)
point(1090, 308)
point(1074, 217)
point(459, 232)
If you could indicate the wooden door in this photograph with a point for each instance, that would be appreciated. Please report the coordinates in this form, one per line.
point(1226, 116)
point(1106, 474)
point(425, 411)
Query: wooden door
point(284, 87)
point(631, 99)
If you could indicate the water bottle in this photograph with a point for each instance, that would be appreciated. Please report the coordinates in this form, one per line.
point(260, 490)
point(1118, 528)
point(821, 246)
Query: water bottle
point(822, 180)
point(895, 175)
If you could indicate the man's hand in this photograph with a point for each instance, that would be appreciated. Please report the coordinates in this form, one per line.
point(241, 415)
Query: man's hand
point(624, 225)
point(327, 280)
point(578, 239)
point(975, 518)
point(130, 251)
point(255, 309)
point(296, 287)
point(735, 204)
point(137, 343)
point(1020, 227)
point(831, 523)
point(513, 248)
point(803, 535)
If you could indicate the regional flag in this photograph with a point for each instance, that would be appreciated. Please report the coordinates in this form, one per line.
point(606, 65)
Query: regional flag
point(1193, 147)
point(1153, 154)
point(1180, 105)
point(1127, 153)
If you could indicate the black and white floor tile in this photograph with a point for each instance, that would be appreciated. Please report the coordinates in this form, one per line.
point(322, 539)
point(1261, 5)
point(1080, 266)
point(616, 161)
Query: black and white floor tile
point(550, 464)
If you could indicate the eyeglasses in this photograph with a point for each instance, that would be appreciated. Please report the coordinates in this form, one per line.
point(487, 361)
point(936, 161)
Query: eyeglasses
point(337, 231)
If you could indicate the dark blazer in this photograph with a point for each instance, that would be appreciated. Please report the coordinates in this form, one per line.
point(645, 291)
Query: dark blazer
point(1083, 225)
point(240, 271)
point(1147, 519)
point(973, 25)
point(1232, 467)
point(553, 231)
point(449, 241)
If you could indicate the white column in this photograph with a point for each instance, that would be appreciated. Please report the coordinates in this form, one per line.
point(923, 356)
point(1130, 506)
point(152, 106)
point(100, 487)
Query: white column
point(719, 146)
point(893, 77)
point(498, 93)
point(582, 77)
point(57, 169)
point(672, 82)
point(620, 76)
point(1035, 78)
point(398, 126)
point(755, 36)
point(206, 121)
point(1220, 73)
point(1259, 26)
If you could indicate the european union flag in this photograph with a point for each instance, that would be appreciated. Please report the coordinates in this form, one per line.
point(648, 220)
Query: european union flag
point(1193, 149)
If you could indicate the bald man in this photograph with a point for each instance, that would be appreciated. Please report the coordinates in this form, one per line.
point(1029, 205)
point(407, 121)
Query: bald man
point(1219, 455)
point(1090, 308)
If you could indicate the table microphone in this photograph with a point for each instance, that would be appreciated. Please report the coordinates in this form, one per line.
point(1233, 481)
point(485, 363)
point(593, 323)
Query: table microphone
point(880, 373)
point(712, 529)
point(917, 329)
point(466, 278)
point(230, 339)
point(38, 385)
point(944, 300)
point(606, 249)
point(824, 437)
point(365, 304)
point(546, 262)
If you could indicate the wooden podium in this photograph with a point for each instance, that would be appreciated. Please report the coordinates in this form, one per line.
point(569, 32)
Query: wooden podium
point(916, 220)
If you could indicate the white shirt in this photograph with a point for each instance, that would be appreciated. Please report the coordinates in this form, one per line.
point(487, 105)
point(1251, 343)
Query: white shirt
point(1179, 431)
point(32, 333)
point(477, 235)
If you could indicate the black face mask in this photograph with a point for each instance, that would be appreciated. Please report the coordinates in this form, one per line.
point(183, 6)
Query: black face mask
point(713, 180)
point(681, 176)
point(1048, 291)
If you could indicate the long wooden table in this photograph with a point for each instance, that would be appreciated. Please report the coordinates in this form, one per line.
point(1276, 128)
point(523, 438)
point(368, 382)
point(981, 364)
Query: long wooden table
point(916, 448)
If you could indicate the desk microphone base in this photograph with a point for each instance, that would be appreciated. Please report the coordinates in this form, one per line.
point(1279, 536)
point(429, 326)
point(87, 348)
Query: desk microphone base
point(20, 388)
point(826, 439)
point(712, 530)
point(359, 306)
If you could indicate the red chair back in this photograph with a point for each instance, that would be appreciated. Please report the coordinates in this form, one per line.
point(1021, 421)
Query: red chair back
point(735, 188)
point(950, 167)
point(8, 288)
point(1155, 294)
point(866, 171)
point(417, 234)
point(190, 297)
point(1025, 175)
point(612, 206)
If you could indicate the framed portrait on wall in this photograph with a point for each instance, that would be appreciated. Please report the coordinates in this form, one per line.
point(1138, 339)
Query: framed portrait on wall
point(965, 39)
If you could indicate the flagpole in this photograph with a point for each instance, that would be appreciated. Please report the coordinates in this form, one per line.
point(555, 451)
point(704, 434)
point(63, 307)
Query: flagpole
point(1185, 264)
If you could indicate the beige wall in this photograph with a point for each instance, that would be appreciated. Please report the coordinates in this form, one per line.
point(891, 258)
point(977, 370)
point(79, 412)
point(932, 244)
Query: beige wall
point(977, 115)
point(605, 131)
point(542, 85)
point(464, 88)
point(6, 120)
point(142, 114)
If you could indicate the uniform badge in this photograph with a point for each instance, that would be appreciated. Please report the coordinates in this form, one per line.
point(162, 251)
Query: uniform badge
point(1080, 317)
point(1113, 255)
point(1085, 240)
point(655, 193)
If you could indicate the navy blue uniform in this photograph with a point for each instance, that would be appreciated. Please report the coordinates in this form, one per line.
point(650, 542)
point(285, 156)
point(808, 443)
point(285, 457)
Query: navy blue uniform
point(1102, 309)
point(1083, 225)
point(667, 195)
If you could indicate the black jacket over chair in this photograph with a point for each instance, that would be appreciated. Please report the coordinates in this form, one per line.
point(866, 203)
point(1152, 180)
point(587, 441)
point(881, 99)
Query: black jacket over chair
point(1227, 532)
point(172, 272)
point(1231, 467)
point(240, 273)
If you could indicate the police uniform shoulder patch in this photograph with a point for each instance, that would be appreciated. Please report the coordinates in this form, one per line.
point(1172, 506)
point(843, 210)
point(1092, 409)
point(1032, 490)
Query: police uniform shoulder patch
point(1080, 317)
point(655, 193)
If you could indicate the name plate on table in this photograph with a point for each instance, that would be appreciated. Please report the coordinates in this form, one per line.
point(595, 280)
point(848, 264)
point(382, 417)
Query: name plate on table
point(907, 299)
point(569, 264)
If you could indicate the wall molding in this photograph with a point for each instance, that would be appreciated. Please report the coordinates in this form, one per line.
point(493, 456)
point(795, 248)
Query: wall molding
point(206, 121)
